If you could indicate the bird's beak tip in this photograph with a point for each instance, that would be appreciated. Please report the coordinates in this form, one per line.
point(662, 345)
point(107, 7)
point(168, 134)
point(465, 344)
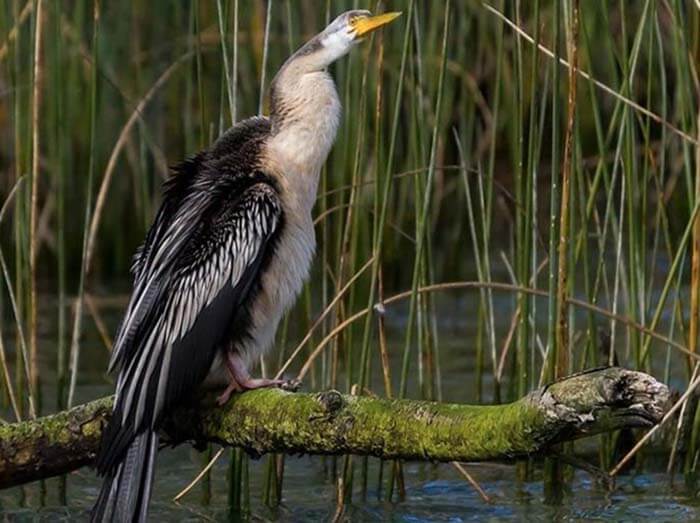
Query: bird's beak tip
point(363, 26)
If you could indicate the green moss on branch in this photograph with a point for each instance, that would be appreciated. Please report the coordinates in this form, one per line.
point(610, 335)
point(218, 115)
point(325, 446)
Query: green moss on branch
point(270, 420)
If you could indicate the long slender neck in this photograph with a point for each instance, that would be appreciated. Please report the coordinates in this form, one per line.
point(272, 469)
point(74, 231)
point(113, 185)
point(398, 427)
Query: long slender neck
point(305, 113)
point(307, 104)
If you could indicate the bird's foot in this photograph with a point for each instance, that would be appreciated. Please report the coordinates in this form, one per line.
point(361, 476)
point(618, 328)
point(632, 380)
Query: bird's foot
point(291, 385)
point(241, 381)
point(261, 383)
point(223, 398)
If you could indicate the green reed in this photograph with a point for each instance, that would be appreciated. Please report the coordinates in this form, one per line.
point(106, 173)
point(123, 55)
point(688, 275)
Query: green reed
point(449, 166)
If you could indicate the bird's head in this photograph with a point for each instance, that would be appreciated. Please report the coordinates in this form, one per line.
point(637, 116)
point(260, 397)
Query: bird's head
point(341, 35)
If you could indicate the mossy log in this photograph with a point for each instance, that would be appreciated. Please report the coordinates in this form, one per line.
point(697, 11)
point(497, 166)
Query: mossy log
point(328, 422)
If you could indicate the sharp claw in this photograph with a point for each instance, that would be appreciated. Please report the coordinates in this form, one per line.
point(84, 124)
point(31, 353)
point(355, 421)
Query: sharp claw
point(292, 385)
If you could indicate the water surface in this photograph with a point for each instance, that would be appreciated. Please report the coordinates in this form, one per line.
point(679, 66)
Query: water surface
point(434, 492)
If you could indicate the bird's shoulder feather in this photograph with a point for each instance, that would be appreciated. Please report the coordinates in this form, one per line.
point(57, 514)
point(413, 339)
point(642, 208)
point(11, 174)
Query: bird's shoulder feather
point(234, 155)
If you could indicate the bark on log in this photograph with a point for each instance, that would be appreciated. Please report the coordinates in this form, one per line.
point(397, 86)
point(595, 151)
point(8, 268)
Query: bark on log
point(328, 422)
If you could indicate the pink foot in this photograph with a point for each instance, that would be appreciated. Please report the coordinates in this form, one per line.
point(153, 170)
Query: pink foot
point(223, 398)
point(261, 383)
point(241, 381)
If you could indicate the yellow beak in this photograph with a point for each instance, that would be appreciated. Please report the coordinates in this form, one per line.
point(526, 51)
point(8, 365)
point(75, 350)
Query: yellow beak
point(363, 26)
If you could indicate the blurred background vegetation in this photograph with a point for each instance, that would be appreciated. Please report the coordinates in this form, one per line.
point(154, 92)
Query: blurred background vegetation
point(466, 154)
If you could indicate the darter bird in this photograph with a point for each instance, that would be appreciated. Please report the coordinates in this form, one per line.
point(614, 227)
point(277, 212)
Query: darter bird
point(226, 256)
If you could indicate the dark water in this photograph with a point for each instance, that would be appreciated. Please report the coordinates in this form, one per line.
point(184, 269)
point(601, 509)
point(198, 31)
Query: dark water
point(433, 492)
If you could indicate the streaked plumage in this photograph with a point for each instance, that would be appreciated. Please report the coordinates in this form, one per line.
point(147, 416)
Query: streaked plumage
point(227, 254)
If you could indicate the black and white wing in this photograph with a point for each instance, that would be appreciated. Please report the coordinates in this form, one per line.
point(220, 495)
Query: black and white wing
point(193, 277)
point(175, 189)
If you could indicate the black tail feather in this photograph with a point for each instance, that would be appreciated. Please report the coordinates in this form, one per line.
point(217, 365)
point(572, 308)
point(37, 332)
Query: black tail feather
point(126, 489)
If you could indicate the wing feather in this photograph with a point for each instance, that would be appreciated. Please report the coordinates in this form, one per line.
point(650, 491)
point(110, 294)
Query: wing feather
point(185, 297)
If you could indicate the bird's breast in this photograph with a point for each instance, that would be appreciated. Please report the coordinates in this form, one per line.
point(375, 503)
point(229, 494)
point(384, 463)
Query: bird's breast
point(291, 262)
point(280, 284)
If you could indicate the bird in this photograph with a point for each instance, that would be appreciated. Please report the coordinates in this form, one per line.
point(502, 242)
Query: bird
point(228, 252)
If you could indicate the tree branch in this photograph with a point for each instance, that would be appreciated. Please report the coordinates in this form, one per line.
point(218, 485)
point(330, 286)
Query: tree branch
point(328, 422)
